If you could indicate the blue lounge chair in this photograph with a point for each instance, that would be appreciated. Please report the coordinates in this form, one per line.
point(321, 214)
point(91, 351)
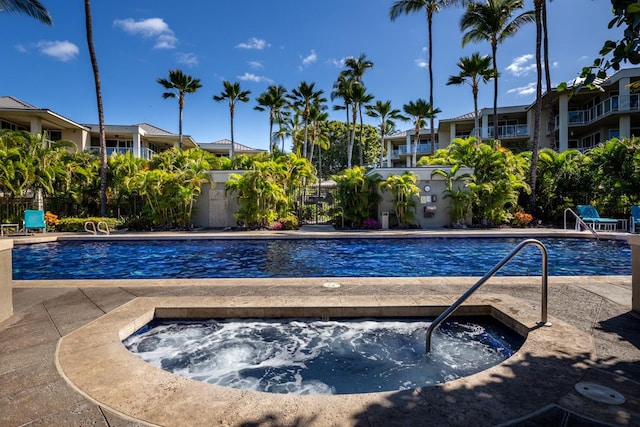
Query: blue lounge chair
point(34, 220)
point(590, 216)
point(635, 218)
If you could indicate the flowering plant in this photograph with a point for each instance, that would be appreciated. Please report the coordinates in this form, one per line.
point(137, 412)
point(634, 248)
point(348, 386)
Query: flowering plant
point(371, 223)
point(522, 219)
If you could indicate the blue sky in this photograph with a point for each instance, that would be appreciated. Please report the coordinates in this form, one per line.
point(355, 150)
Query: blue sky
point(258, 43)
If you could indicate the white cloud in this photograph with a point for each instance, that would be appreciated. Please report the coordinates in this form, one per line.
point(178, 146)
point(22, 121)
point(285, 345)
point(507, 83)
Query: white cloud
point(527, 90)
point(255, 64)
point(521, 66)
point(310, 59)
point(150, 28)
point(338, 63)
point(250, 77)
point(20, 48)
point(61, 50)
point(421, 63)
point(254, 43)
point(189, 59)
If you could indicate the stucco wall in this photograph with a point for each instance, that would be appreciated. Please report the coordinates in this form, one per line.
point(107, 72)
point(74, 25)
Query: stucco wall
point(6, 294)
point(215, 209)
point(438, 210)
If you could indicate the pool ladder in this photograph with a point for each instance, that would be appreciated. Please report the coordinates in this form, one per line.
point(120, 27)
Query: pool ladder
point(93, 228)
point(579, 222)
point(545, 261)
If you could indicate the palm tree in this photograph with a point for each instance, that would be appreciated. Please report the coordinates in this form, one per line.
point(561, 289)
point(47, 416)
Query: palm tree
point(31, 8)
point(274, 100)
point(473, 69)
point(342, 88)
point(538, 108)
point(360, 98)
point(356, 67)
point(178, 85)
point(430, 7)
point(419, 110)
point(101, 130)
point(492, 21)
point(303, 97)
point(232, 93)
point(547, 73)
point(387, 115)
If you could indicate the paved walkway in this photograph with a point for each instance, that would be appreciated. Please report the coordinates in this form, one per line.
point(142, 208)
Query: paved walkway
point(32, 392)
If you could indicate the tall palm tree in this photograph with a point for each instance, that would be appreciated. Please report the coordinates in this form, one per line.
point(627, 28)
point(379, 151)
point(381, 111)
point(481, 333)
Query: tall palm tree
point(274, 100)
point(178, 85)
point(31, 8)
point(356, 67)
point(101, 130)
point(232, 93)
point(547, 73)
point(430, 7)
point(492, 21)
point(303, 97)
point(473, 70)
point(538, 108)
point(419, 111)
point(387, 115)
point(342, 88)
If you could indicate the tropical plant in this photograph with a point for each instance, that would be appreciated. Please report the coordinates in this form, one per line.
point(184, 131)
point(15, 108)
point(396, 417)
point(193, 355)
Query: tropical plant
point(274, 100)
point(232, 93)
point(387, 115)
point(32, 8)
point(178, 85)
point(459, 194)
point(492, 21)
point(418, 111)
point(304, 97)
point(334, 157)
point(98, 89)
point(473, 70)
point(404, 190)
point(430, 7)
point(357, 194)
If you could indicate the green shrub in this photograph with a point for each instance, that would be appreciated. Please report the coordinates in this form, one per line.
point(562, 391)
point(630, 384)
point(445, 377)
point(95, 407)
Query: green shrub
point(77, 224)
point(289, 222)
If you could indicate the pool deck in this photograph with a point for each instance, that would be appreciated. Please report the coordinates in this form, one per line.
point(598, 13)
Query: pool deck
point(596, 340)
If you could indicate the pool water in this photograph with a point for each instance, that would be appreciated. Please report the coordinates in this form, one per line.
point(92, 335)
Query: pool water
point(164, 259)
point(314, 356)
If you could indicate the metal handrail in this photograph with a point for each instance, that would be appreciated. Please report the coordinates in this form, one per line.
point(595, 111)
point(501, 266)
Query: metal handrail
point(543, 315)
point(579, 221)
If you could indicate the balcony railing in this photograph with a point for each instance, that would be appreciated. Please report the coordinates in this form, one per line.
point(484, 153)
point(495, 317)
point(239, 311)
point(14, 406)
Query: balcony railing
point(404, 150)
point(608, 106)
point(145, 153)
point(506, 131)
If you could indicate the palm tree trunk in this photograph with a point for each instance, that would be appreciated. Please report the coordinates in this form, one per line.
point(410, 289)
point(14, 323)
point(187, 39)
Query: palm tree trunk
point(430, 25)
point(475, 112)
point(180, 108)
point(538, 110)
point(360, 139)
point(551, 120)
point(494, 48)
point(103, 139)
point(382, 131)
point(232, 151)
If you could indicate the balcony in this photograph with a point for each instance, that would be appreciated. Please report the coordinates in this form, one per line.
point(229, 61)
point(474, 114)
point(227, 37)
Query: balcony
point(407, 150)
point(507, 131)
point(610, 105)
point(145, 153)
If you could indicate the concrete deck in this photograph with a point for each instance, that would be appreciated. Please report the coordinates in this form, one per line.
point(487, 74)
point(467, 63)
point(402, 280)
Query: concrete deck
point(597, 340)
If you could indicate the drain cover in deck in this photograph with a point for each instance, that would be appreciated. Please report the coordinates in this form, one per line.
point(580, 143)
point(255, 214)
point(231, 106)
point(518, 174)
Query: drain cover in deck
point(599, 393)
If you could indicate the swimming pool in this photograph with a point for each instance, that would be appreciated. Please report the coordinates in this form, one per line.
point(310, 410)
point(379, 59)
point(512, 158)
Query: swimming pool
point(413, 257)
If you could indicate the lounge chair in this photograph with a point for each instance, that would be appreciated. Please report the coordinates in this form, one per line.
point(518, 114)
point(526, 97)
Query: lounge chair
point(34, 220)
point(589, 214)
point(634, 221)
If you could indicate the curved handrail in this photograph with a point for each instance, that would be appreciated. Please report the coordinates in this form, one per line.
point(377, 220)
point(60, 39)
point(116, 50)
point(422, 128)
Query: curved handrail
point(579, 221)
point(105, 229)
point(90, 227)
point(545, 261)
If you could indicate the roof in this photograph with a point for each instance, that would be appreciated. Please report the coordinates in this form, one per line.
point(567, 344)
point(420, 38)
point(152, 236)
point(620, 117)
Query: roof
point(154, 130)
point(14, 103)
point(225, 144)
